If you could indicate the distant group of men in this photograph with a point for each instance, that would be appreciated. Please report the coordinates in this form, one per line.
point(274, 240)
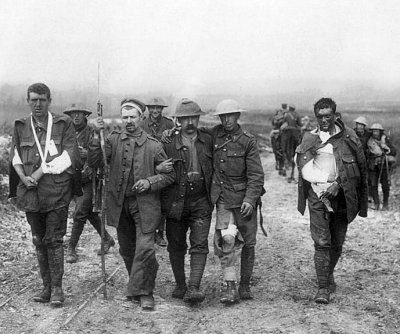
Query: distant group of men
point(165, 177)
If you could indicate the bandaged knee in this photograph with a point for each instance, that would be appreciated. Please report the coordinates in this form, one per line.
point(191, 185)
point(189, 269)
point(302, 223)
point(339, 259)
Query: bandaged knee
point(229, 235)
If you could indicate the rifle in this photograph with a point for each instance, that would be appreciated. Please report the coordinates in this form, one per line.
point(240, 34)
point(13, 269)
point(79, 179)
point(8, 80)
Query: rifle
point(100, 182)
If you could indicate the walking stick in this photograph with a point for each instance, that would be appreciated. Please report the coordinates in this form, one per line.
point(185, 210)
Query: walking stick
point(104, 181)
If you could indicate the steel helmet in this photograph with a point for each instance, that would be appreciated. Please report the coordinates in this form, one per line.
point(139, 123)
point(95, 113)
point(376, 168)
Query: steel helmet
point(187, 107)
point(156, 101)
point(361, 120)
point(74, 107)
point(227, 107)
point(376, 126)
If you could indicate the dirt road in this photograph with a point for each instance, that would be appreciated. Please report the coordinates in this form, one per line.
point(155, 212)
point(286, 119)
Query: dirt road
point(367, 298)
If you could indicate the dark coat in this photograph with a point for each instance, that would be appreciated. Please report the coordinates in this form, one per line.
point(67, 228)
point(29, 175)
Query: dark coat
point(173, 197)
point(142, 154)
point(156, 129)
point(351, 166)
point(238, 171)
point(54, 191)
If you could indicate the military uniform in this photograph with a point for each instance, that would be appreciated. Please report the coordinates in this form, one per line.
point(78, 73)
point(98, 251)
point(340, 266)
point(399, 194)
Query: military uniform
point(133, 157)
point(46, 205)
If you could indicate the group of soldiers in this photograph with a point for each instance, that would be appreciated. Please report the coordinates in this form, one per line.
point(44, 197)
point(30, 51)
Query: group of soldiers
point(162, 175)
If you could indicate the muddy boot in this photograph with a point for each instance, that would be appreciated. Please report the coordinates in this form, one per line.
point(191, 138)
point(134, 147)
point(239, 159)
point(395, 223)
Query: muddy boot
point(385, 205)
point(56, 264)
point(230, 294)
point(77, 228)
point(45, 294)
point(322, 261)
point(197, 265)
point(108, 243)
point(246, 270)
point(147, 302)
point(159, 238)
point(177, 261)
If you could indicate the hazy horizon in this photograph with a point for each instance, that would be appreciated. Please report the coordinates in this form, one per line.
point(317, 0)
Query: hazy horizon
point(201, 47)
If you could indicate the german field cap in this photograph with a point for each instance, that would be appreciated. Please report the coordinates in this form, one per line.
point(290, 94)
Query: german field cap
point(292, 106)
point(187, 107)
point(156, 101)
point(376, 126)
point(361, 120)
point(75, 108)
point(131, 103)
point(227, 107)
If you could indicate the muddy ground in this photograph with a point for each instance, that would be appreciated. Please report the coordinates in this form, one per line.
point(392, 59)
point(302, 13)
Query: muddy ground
point(367, 298)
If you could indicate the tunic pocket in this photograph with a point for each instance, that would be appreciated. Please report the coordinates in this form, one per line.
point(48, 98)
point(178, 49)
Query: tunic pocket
point(236, 163)
point(350, 165)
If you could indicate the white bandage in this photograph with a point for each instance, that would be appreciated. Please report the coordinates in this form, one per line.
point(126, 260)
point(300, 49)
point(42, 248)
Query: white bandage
point(16, 159)
point(129, 105)
point(57, 165)
point(231, 230)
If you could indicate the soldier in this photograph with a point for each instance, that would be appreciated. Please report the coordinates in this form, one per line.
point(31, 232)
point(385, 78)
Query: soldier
point(44, 156)
point(379, 149)
point(84, 204)
point(236, 188)
point(290, 136)
point(362, 132)
point(275, 136)
point(332, 177)
point(154, 125)
point(187, 201)
point(133, 196)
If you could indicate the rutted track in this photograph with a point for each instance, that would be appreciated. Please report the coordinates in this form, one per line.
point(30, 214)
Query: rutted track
point(283, 283)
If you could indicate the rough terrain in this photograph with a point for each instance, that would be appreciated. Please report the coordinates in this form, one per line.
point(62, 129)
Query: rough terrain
point(367, 298)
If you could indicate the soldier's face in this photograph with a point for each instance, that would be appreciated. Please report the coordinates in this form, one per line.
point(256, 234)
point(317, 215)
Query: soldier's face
point(189, 124)
point(229, 121)
point(326, 119)
point(155, 111)
point(78, 118)
point(376, 134)
point(130, 119)
point(360, 127)
point(39, 104)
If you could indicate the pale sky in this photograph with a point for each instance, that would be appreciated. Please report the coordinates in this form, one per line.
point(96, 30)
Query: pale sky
point(210, 46)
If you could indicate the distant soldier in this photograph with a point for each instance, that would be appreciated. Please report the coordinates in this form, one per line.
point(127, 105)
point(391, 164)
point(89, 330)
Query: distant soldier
point(275, 137)
point(333, 179)
point(84, 204)
point(362, 132)
point(290, 134)
point(154, 125)
point(236, 189)
point(44, 158)
point(187, 201)
point(379, 151)
point(306, 125)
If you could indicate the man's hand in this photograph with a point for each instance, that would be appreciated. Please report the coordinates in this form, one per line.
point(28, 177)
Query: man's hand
point(98, 123)
point(82, 152)
point(166, 135)
point(165, 167)
point(141, 186)
point(331, 192)
point(29, 182)
point(246, 209)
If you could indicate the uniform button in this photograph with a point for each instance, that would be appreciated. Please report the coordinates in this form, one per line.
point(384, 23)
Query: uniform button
point(184, 148)
point(190, 184)
point(183, 183)
point(37, 154)
point(183, 161)
point(305, 158)
point(226, 138)
point(224, 149)
point(221, 171)
point(222, 160)
point(221, 182)
point(182, 195)
point(191, 188)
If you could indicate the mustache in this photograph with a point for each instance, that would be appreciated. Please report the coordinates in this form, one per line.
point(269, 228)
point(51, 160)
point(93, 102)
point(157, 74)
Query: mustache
point(190, 127)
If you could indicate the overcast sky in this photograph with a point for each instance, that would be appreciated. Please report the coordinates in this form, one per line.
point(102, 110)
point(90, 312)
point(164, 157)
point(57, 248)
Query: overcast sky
point(182, 46)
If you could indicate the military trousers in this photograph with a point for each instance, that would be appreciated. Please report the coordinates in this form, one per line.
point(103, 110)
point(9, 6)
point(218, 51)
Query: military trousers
point(137, 250)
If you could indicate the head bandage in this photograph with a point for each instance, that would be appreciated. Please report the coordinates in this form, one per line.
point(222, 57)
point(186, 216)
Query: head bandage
point(129, 105)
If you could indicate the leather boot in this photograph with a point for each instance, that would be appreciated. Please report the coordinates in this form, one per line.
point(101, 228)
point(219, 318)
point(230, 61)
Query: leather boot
point(109, 242)
point(230, 294)
point(45, 294)
point(197, 265)
point(177, 261)
point(322, 263)
point(77, 228)
point(56, 264)
point(246, 270)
